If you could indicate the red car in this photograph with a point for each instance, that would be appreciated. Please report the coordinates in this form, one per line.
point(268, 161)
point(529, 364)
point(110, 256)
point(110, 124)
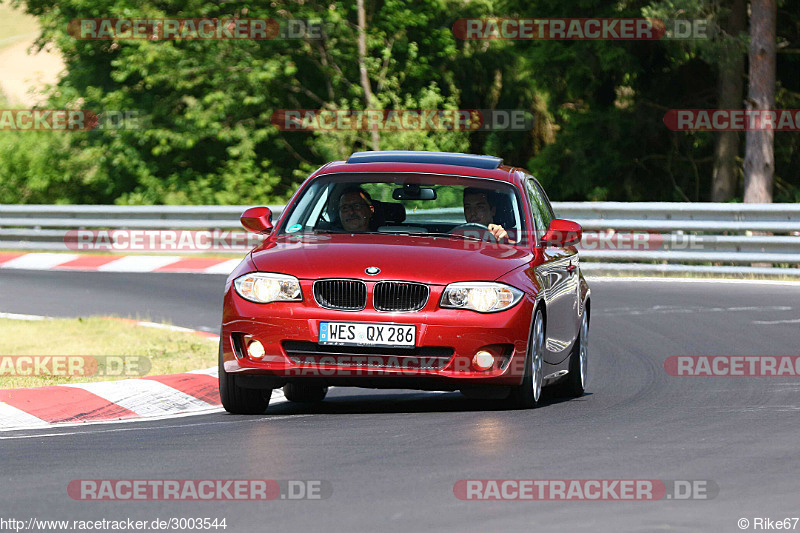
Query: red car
point(416, 270)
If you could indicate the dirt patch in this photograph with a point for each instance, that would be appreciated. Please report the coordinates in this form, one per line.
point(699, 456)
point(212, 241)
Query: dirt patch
point(25, 74)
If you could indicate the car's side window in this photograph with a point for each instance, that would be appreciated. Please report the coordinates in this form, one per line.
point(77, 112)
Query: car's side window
point(539, 207)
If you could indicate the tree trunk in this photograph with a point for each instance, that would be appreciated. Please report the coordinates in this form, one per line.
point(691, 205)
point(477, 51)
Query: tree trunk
point(731, 74)
point(362, 66)
point(759, 162)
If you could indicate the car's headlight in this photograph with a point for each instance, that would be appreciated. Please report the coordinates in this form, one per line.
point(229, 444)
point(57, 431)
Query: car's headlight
point(264, 288)
point(484, 297)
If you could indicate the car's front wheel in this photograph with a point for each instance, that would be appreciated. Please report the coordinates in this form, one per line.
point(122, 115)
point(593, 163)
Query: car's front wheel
point(527, 395)
point(238, 400)
point(299, 392)
point(575, 384)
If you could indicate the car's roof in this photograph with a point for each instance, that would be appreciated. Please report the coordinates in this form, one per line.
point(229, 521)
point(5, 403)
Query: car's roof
point(429, 162)
point(433, 158)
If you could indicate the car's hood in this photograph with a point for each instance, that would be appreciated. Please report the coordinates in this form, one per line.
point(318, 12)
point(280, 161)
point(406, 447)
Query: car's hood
point(434, 260)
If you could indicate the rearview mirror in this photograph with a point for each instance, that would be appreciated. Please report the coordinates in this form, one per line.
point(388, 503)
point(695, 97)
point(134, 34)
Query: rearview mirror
point(257, 219)
point(562, 233)
point(414, 192)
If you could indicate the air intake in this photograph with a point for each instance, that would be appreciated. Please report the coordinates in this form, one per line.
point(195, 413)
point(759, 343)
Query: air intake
point(341, 294)
point(395, 296)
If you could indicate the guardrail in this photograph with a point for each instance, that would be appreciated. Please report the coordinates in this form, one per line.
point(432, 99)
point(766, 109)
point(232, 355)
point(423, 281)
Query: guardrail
point(654, 237)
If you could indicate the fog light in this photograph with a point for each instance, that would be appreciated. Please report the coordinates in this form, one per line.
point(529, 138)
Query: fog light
point(255, 349)
point(483, 360)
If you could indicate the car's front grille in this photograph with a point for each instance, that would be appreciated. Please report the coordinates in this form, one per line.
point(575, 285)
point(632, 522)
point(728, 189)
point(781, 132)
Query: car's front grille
point(420, 358)
point(341, 294)
point(399, 296)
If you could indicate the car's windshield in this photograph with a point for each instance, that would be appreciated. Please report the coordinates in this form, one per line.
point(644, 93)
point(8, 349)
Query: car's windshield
point(407, 204)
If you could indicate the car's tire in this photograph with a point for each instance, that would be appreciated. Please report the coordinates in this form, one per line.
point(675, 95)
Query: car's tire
point(528, 394)
point(238, 400)
point(302, 393)
point(575, 383)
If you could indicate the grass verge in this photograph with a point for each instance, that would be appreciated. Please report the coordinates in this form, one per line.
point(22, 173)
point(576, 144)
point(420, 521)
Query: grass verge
point(163, 351)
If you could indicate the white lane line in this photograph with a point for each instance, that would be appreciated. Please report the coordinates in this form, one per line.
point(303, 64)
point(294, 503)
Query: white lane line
point(169, 327)
point(210, 411)
point(153, 428)
point(11, 418)
point(165, 326)
point(692, 280)
point(223, 268)
point(792, 321)
point(180, 329)
point(39, 261)
point(668, 309)
point(144, 263)
point(16, 316)
point(144, 397)
point(762, 408)
point(213, 371)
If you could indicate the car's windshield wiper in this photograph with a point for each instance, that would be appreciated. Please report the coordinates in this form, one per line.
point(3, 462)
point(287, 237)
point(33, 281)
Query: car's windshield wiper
point(345, 232)
point(452, 235)
point(398, 232)
point(411, 233)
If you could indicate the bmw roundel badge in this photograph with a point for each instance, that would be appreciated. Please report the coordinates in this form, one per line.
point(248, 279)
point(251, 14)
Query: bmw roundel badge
point(373, 271)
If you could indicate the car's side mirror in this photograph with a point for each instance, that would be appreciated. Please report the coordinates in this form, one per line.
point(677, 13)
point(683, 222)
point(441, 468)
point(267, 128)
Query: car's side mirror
point(257, 219)
point(562, 233)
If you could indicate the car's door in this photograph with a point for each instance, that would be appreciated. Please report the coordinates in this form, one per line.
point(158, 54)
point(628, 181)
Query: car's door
point(559, 275)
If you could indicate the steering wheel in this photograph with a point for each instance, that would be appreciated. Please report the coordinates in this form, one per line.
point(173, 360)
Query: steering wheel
point(474, 226)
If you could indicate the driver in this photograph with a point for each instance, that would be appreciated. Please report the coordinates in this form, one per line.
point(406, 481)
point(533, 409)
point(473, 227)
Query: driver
point(355, 209)
point(480, 208)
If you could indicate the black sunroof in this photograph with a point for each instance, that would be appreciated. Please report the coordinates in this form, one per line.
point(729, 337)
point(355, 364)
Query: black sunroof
point(432, 158)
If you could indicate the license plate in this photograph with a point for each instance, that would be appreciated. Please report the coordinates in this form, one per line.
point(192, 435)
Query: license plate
point(367, 334)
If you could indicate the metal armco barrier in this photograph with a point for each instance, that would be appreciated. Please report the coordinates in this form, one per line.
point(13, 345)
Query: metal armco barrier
point(650, 238)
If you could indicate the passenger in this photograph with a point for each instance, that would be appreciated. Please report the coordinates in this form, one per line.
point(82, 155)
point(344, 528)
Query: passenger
point(480, 208)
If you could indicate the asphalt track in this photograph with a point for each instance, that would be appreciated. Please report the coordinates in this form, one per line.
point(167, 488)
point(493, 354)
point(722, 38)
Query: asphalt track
point(393, 457)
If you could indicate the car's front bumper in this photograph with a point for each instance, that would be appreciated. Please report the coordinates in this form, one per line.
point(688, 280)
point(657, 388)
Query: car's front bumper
point(289, 333)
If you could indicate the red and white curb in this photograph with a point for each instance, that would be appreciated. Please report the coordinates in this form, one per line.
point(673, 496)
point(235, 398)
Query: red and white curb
point(103, 402)
point(127, 400)
point(117, 263)
point(106, 401)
